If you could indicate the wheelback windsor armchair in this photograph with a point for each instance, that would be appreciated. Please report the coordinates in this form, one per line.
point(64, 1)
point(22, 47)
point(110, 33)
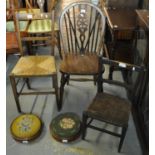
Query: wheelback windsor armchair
point(36, 65)
point(82, 26)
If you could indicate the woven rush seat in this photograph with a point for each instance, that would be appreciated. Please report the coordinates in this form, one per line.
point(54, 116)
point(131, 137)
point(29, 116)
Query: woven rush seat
point(26, 127)
point(72, 64)
point(35, 66)
point(109, 108)
point(40, 26)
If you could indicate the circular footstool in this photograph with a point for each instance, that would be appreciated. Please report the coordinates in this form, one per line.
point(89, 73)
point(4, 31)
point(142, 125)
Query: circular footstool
point(26, 127)
point(65, 127)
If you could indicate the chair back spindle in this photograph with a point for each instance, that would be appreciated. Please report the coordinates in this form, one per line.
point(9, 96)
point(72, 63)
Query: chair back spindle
point(28, 34)
point(82, 28)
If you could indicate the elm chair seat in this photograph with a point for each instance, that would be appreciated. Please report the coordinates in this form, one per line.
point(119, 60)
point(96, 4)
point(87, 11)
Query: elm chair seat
point(72, 63)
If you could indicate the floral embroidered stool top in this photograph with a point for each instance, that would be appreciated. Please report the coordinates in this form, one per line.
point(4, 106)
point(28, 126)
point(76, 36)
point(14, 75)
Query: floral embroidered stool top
point(65, 127)
point(26, 127)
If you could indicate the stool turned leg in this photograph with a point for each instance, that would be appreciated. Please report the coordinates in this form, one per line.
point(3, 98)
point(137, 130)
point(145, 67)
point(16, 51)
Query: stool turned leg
point(95, 79)
point(68, 79)
point(13, 84)
point(84, 125)
point(55, 85)
point(124, 129)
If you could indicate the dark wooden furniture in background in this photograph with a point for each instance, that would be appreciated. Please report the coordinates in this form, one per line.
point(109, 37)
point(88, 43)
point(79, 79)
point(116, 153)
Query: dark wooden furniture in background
point(11, 38)
point(127, 4)
point(34, 66)
point(14, 6)
point(121, 25)
point(109, 108)
point(140, 108)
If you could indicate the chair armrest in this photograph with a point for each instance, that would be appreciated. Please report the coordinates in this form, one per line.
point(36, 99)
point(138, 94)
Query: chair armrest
point(119, 64)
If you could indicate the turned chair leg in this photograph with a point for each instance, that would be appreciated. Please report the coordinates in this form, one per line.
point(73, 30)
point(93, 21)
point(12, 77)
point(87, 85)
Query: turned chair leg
point(68, 79)
point(55, 85)
point(124, 129)
point(64, 79)
point(111, 69)
point(99, 84)
point(95, 79)
point(16, 96)
point(84, 125)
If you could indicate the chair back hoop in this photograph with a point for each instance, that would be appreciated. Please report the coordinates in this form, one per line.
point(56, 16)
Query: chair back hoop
point(40, 3)
point(121, 65)
point(52, 4)
point(27, 35)
point(82, 26)
point(128, 4)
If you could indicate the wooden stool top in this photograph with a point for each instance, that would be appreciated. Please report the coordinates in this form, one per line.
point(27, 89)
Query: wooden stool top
point(110, 108)
point(28, 66)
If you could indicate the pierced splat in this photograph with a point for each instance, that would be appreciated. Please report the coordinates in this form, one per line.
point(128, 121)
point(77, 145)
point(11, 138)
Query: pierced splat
point(82, 24)
point(41, 4)
point(82, 27)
